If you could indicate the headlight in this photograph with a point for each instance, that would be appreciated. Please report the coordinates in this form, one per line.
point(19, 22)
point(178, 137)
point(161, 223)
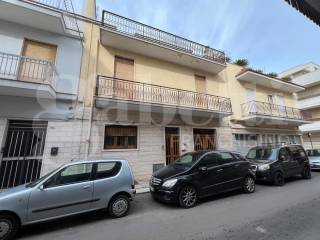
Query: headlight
point(264, 167)
point(170, 183)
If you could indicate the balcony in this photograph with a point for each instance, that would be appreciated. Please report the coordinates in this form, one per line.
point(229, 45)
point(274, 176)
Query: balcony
point(111, 92)
point(126, 34)
point(255, 112)
point(55, 16)
point(26, 77)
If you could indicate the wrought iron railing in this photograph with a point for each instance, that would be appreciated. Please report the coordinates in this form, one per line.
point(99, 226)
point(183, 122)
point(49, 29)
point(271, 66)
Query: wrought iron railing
point(273, 110)
point(21, 68)
point(70, 22)
point(109, 87)
point(139, 30)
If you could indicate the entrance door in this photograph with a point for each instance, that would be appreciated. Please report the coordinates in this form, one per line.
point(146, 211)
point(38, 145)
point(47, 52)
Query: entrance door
point(204, 139)
point(123, 70)
point(32, 65)
point(201, 88)
point(172, 144)
point(22, 154)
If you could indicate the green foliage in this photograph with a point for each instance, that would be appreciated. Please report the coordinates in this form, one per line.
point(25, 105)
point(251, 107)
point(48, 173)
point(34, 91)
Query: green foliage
point(241, 62)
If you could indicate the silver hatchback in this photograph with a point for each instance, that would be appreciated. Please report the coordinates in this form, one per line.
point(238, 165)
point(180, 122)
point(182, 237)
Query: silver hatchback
point(74, 188)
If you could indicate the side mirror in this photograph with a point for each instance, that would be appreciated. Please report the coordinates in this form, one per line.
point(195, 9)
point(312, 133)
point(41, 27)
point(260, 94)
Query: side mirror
point(41, 188)
point(282, 158)
point(203, 169)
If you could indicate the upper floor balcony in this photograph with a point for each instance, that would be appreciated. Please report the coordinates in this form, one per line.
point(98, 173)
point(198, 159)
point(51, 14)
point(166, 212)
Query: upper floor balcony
point(111, 92)
point(55, 16)
point(256, 113)
point(27, 77)
point(126, 34)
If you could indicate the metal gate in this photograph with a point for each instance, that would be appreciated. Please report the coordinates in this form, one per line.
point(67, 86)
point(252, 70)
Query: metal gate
point(22, 153)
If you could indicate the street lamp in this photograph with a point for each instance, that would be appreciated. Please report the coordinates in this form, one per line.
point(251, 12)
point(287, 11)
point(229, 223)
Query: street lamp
point(309, 135)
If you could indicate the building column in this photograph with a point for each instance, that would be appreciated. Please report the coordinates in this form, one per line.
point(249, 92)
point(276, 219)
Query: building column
point(3, 128)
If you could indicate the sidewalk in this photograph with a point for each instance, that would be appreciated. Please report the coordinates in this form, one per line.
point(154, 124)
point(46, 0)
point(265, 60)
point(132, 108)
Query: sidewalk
point(142, 187)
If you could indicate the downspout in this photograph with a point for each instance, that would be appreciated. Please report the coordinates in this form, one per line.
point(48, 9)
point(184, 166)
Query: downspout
point(92, 100)
point(88, 142)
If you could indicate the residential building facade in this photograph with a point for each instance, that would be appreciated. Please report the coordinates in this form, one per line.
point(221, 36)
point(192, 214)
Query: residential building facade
point(40, 60)
point(126, 89)
point(152, 95)
point(308, 76)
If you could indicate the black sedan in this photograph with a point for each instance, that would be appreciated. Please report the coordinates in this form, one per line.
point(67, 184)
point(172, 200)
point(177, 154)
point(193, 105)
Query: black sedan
point(199, 174)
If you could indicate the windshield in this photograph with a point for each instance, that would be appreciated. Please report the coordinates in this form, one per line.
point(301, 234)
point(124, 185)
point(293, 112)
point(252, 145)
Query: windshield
point(188, 159)
point(313, 153)
point(34, 183)
point(262, 154)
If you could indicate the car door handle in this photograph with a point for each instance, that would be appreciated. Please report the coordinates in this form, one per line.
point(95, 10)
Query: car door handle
point(220, 170)
point(236, 165)
point(86, 187)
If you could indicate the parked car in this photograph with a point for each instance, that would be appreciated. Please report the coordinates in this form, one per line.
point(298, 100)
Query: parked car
point(314, 158)
point(275, 163)
point(199, 174)
point(74, 188)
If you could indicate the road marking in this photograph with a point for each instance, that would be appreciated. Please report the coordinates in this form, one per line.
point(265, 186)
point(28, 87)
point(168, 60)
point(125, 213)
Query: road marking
point(261, 230)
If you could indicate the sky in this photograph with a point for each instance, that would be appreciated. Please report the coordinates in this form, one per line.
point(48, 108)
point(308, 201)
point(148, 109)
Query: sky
point(271, 34)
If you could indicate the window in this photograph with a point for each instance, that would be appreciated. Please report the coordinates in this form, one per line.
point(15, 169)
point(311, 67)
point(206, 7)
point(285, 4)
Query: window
point(239, 157)
point(72, 174)
point(209, 160)
point(284, 153)
point(107, 169)
point(294, 152)
point(120, 137)
point(225, 158)
point(246, 137)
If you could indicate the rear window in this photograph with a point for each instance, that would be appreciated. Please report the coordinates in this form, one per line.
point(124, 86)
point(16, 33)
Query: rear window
point(107, 169)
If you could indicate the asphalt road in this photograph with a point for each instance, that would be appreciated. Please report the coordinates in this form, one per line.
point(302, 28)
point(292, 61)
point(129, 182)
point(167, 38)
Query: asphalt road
point(281, 213)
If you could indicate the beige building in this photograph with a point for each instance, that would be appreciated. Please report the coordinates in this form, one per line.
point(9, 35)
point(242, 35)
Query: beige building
point(149, 96)
point(308, 75)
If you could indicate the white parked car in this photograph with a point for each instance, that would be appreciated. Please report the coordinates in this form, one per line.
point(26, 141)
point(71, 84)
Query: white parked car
point(314, 158)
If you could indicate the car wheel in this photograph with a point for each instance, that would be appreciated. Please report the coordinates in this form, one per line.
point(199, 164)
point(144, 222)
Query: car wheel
point(306, 173)
point(119, 206)
point(249, 185)
point(188, 197)
point(9, 226)
point(278, 179)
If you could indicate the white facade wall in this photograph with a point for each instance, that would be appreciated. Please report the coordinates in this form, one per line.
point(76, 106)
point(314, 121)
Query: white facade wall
point(69, 51)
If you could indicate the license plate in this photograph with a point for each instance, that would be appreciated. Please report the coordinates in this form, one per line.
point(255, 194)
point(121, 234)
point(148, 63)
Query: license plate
point(151, 189)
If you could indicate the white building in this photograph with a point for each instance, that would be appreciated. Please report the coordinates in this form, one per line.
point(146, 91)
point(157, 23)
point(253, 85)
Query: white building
point(308, 76)
point(40, 62)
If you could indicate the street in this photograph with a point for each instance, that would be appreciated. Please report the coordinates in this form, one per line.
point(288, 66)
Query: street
point(289, 212)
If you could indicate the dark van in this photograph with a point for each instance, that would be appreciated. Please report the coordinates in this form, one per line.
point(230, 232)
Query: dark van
point(275, 163)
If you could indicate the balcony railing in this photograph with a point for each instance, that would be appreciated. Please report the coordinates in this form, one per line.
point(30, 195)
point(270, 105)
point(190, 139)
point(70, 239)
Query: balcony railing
point(273, 110)
point(108, 87)
point(136, 29)
point(20, 68)
point(70, 22)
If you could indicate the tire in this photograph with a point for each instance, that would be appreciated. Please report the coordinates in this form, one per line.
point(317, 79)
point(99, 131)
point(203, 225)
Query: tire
point(306, 173)
point(119, 206)
point(188, 197)
point(278, 179)
point(9, 226)
point(249, 185)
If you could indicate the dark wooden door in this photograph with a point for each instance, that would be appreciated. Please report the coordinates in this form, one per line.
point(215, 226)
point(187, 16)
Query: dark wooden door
point(204, 139)
point(172, 144)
